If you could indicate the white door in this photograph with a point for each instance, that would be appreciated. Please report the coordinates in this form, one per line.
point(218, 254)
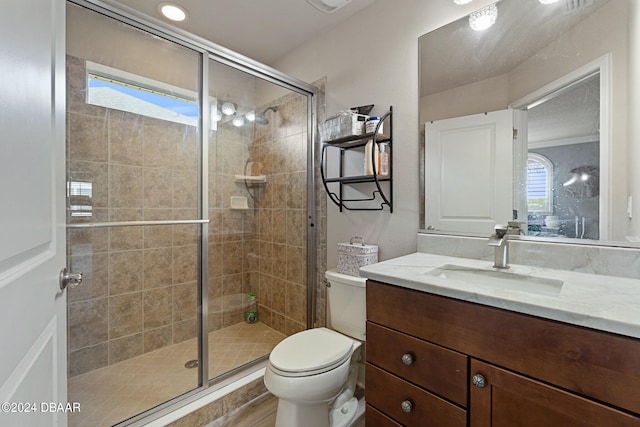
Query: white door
point(32, 214)
point(469, 172)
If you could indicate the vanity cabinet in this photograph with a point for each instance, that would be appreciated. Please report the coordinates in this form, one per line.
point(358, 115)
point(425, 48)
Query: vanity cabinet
point(479, 366)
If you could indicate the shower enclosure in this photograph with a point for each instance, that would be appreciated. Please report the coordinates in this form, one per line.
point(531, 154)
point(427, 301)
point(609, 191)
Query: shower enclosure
point(190, 186)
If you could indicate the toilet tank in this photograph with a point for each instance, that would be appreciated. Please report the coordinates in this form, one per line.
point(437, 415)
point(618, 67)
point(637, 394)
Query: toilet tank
point(346, 304)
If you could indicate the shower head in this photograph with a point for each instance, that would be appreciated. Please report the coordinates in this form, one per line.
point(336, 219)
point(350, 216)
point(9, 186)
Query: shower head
point(262, 118)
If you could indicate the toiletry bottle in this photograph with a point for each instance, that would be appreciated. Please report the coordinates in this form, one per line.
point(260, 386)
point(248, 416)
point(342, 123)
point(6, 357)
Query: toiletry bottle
point(383, 167)
point(251, 315)
point(371, 157)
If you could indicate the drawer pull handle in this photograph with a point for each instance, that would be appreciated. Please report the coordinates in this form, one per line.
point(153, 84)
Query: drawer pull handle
point(407, 406)
point(479, 381)
point(407, 359)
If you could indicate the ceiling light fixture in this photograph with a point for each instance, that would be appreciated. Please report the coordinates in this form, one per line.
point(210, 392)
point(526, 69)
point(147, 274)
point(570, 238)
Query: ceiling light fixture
point(462, 1)
point(548, 1)
point(484, 18)
point(328, 6)
point(251, 116)
point(173, 11)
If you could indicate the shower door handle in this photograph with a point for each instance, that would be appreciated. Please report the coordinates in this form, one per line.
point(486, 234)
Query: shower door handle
point(69, 279)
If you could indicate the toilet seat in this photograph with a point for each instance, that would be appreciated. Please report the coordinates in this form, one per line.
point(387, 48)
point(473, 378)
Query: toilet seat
point(310, 352)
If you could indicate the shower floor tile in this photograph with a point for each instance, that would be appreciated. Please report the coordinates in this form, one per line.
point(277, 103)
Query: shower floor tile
point(114, 393)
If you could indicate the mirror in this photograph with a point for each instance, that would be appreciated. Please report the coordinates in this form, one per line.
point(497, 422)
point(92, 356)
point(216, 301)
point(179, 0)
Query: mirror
point(567, 73)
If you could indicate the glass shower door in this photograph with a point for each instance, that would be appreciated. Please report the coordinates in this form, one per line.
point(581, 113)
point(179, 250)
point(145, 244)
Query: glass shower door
point(257, 198)
point(133, 218)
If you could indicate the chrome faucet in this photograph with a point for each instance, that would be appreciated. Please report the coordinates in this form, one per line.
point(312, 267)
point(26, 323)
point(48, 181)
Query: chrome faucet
point(500, 241)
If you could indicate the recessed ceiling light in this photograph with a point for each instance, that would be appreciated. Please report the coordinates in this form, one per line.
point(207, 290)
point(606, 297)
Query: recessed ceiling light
point(173, 11)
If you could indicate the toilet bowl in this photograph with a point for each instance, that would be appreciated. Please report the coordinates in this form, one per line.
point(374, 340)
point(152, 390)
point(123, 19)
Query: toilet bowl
point(313, 373)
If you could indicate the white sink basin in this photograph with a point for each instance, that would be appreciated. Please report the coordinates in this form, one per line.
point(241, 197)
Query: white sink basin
point(498, 279)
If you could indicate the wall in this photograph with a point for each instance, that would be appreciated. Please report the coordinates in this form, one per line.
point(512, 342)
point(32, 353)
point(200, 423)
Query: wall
point(633, 177)
point(373, 58)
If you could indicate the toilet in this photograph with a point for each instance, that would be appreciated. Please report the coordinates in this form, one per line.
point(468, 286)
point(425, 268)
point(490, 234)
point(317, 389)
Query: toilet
point(313, 373)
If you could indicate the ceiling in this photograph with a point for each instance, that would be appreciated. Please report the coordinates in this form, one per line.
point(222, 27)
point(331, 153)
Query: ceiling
point(263, 30)
point(523, 27)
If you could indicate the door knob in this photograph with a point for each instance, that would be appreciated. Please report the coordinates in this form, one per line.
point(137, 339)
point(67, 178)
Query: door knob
point(69, 279)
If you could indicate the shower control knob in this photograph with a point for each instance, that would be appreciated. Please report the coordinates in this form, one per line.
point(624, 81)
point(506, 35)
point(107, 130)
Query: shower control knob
point(479, 381)
point(407, 359)
point(407, 406)
point(69, 279)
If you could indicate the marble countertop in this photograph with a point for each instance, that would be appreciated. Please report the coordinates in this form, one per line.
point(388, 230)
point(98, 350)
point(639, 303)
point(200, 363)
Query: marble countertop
point(605, 303)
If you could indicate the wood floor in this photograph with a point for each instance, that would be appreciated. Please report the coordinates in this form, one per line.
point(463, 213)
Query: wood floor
point(261, 412)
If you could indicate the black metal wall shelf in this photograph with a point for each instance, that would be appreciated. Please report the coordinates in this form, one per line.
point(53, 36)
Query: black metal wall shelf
point(383, 195)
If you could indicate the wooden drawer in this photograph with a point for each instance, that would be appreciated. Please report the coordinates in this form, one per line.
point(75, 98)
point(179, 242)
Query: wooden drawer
point(439, 370)
point(375, 418)
point(386, 392)
point(592, 363)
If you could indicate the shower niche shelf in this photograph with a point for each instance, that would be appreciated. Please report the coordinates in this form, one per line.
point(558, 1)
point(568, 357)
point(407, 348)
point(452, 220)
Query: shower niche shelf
point(378, 189)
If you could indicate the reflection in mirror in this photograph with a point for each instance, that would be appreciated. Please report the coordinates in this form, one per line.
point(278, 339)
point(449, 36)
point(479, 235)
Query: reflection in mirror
point(563, 158)
point(567, 72)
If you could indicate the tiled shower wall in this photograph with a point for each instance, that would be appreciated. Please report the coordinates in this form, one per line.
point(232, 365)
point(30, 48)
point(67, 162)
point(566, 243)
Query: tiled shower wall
point(280, 152)
point(140, 285)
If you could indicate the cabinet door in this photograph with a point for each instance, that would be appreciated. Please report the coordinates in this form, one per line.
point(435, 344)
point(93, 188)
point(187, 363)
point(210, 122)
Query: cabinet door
point(510, 400)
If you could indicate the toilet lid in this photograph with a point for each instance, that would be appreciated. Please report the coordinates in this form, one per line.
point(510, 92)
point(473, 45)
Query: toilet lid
point(311, 352)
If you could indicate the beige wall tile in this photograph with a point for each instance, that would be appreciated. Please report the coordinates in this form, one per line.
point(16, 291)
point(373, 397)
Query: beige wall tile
point(158, 188)
point(90, 136)
point(125, 238)
point(157, 267)
point(185, 330)
point(232, 258)
point(125, 138)
point(185, 193)
point(125, 272)
point(88, 323)
point(125, 186)
point(125, 314)
point(125, 348)
point(88, 358)
point(186, 155)
point(158, 146)
point(157, 307)
point(185, 301)
point(157, 338)
point(185, 263)
point(95, 277)
point(158, 236)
